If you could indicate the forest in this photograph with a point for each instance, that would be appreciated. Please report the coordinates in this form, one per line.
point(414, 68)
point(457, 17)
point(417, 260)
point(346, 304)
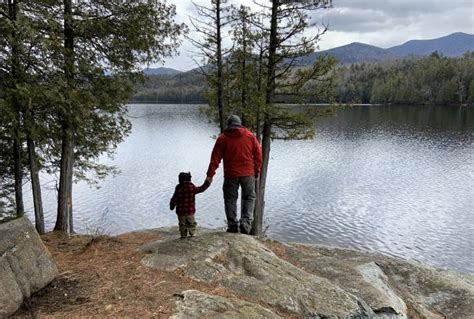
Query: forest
point(66, 72)
point(69, 69)
point(433, 80)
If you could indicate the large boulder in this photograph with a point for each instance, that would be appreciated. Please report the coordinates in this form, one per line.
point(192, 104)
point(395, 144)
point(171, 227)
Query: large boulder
point(246, 267)
point(25, 264)
point(392, 287)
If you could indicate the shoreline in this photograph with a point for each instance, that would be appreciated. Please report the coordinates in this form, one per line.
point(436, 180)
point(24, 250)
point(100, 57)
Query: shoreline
point(153, 273)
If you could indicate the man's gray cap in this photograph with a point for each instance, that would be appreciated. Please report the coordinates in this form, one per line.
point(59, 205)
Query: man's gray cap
point(234, 121)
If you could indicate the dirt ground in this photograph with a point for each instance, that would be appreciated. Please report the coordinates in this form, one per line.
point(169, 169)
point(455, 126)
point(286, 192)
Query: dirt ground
point(101, 276)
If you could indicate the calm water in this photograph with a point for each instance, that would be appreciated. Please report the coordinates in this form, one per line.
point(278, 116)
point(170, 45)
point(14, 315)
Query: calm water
point(398, 180)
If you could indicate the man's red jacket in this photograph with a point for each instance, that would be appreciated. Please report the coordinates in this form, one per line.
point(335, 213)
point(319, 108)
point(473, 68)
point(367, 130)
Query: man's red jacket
point(241, 152)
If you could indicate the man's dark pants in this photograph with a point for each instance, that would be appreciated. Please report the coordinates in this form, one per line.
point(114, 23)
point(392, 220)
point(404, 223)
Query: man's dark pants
point(231, 194)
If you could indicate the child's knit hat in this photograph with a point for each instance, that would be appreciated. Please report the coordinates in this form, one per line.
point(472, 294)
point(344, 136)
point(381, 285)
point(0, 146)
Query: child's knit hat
point(184, 177)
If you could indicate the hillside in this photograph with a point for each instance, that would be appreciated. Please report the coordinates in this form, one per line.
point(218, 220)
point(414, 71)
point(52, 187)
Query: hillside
point(352, 53)
point(163, 86)
point(160, 71)
point(453, 45)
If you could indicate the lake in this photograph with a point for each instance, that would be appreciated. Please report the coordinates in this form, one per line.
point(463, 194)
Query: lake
point(393, 179)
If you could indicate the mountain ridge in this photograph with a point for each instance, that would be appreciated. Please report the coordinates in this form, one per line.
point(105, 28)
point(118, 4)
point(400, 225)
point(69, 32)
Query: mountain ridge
point(161, 71)
point(452, 45)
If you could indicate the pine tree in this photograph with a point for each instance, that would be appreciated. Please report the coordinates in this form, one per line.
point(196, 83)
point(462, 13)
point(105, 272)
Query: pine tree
point(210, 22)
point(266, 72)
point(84, 59)
point(101, 37)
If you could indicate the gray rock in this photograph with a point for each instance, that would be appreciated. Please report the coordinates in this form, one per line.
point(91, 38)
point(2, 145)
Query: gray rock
point(196, 304)
point(245, 266)
point(389, 284)
point(386, 302)
point(25, 264)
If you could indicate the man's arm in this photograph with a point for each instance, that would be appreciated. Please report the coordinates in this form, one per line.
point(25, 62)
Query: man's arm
point(257, 156)
point(216, 158)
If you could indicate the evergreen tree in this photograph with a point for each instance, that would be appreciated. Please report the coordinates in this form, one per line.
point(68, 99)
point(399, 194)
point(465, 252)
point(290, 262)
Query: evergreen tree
point(99, 37)
point(470, 98)
point(210, 23)
point(85, 57)
point(278, 77)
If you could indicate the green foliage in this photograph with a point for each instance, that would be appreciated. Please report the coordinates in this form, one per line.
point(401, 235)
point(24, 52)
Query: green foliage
point(47, 87)
point(470, 98)
point(432, 80)
point(179, 88)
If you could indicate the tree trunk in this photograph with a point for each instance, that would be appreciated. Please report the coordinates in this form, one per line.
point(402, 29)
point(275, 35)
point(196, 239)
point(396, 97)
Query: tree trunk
point(18, 172)
point(64, 217)
point(258, 126)
point(257, 228)
point(17, 142)
point(35, 185)
point(220, 80)
point(244, 71)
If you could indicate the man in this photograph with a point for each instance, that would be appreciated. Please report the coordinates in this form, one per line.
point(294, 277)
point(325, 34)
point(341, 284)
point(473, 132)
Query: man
point(242, 155)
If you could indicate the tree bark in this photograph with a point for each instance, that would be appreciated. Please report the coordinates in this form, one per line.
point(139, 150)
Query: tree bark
point(64, 216)
point(257, 228)
point(35, 185)
point(18, 172)
point(267, 122)
point(17, 142)
point(258, 126)
point(243, 100)
point(220, 80)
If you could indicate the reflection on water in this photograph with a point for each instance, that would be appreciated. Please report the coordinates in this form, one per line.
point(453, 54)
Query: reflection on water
point(398, 179)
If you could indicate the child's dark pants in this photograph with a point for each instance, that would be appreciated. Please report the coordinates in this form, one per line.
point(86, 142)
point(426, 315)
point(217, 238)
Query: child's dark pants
point(187, 223)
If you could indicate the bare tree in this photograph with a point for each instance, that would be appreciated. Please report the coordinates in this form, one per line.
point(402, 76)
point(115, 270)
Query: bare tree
point(210, 23)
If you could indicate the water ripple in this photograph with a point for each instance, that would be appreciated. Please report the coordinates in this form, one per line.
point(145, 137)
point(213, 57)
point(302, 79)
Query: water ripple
point(398, 180)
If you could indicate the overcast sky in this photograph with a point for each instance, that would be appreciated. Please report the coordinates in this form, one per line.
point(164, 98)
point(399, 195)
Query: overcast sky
point(383, 23)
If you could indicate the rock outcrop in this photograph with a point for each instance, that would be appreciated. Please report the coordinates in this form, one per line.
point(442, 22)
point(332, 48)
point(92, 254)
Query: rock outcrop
point(246, 267)
point(306, 280)
point(196, 304)
point(392, 287)
point(25, 264)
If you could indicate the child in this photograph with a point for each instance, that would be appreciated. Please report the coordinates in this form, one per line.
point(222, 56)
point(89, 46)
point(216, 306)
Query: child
point(184, 201)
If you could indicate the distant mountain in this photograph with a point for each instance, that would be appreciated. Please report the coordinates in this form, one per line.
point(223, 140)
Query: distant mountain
point(160, 71)
point(352, 53)
point(453, 45)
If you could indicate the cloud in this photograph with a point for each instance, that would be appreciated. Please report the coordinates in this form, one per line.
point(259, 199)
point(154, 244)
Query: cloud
point(382, 23)
point(377, 16)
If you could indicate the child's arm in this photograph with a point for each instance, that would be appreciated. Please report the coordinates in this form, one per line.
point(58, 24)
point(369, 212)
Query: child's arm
point(173, 200)
point(203, 187)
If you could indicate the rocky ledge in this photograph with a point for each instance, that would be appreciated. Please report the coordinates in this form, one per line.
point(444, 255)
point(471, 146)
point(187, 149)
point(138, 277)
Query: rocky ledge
point(269, 279)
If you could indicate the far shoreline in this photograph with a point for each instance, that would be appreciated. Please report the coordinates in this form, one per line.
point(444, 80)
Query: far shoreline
point(305, 104)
